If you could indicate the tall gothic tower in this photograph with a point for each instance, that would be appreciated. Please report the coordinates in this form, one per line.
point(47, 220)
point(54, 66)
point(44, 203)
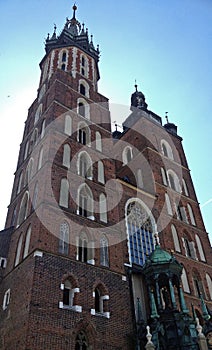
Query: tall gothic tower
point(86, 211)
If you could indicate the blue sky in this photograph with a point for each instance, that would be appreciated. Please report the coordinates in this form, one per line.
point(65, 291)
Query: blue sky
point(165, 45)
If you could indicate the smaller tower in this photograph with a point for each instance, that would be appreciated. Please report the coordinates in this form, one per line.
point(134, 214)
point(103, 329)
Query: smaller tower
point(171, 325)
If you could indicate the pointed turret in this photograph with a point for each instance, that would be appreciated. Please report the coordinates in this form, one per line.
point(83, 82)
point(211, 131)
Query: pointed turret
point(75, 34)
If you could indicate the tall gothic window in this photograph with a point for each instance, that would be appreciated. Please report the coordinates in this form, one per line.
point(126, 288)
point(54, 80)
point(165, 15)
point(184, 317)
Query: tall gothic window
point(104, 259)
point(64, 238)
point(140, 233)
point(81, 342)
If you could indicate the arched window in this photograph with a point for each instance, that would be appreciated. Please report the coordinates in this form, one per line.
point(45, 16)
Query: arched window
point(101, 175)
point(184, 186)
point(64, 56)
point(85, 202)
point(191, 215)
point(166, 149)
point(127, 155)
point(173, 180)
point(23, 208)
point(82, 89)
point(98, 141)
point(69, 288)
point(64, 238)
point(184, 279)
point(84, 164)
point(20, 182)
point(35, 196)
point(66, 155)
point(175, 239)
point(68, 125)
point(164, 176)
point(81, 342)
point(103, 207)
point(198, 285)
point(208, 279)
point(199, 246)
point(181, 213)
point(100, 306)
point(140, 178)
point(84, 65)
point(63, 59)
point(18, 251)
point(38, 113)
point(83, 108)
point(83, 134)
point(104, 257)
point(168, 204)
point(140, 232)
point(189, 246)
point(14, 216)
point(43, 128)
point(27, 241)
point(26, 150)
point(29, 171)
point(40, 158)
point(64, 193)
point(83, 248)
point(34, 138)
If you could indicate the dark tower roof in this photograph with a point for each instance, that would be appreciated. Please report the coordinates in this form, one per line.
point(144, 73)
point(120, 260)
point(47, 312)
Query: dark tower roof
point(138, 99)
point(75, 34)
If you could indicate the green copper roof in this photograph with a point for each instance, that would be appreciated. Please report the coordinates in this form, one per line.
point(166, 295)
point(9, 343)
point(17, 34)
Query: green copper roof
point(160, 256)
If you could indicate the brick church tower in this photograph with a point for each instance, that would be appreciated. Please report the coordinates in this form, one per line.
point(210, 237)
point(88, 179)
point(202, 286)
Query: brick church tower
point(86, 211)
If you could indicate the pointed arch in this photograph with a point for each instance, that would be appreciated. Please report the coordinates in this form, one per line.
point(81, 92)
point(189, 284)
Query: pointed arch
point(23, 208)
point(127, 155)
point(84, 165)
point(141, 227)
point(20, 182)
point(84, 134)
point(18, 251)
point(81, 342)
point(164, 176)
point(98, 141)
point(200, 249)
point(103, 208)
point(85, 202)
point(185, 188)
point(68, 125)
point(173, 180)
point(104, 256)
point(66, 155)
point(209, 283)
point(26, 150)
point(38, 113)
point(175, 239)
point(27, 241)
point(83, 108)
point(166, 149)
point(35, 196)
point(184, 279)
point(40, 158)
point(43, 129)
point(101, 174)
point(64, 238)
point(191, 215)
point(64, 193)
point(84, 88)
point(168, 204)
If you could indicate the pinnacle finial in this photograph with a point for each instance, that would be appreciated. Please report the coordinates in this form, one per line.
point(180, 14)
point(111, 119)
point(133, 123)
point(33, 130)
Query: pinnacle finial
point(74, 9)
point(166, 116)
point(136, 86)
